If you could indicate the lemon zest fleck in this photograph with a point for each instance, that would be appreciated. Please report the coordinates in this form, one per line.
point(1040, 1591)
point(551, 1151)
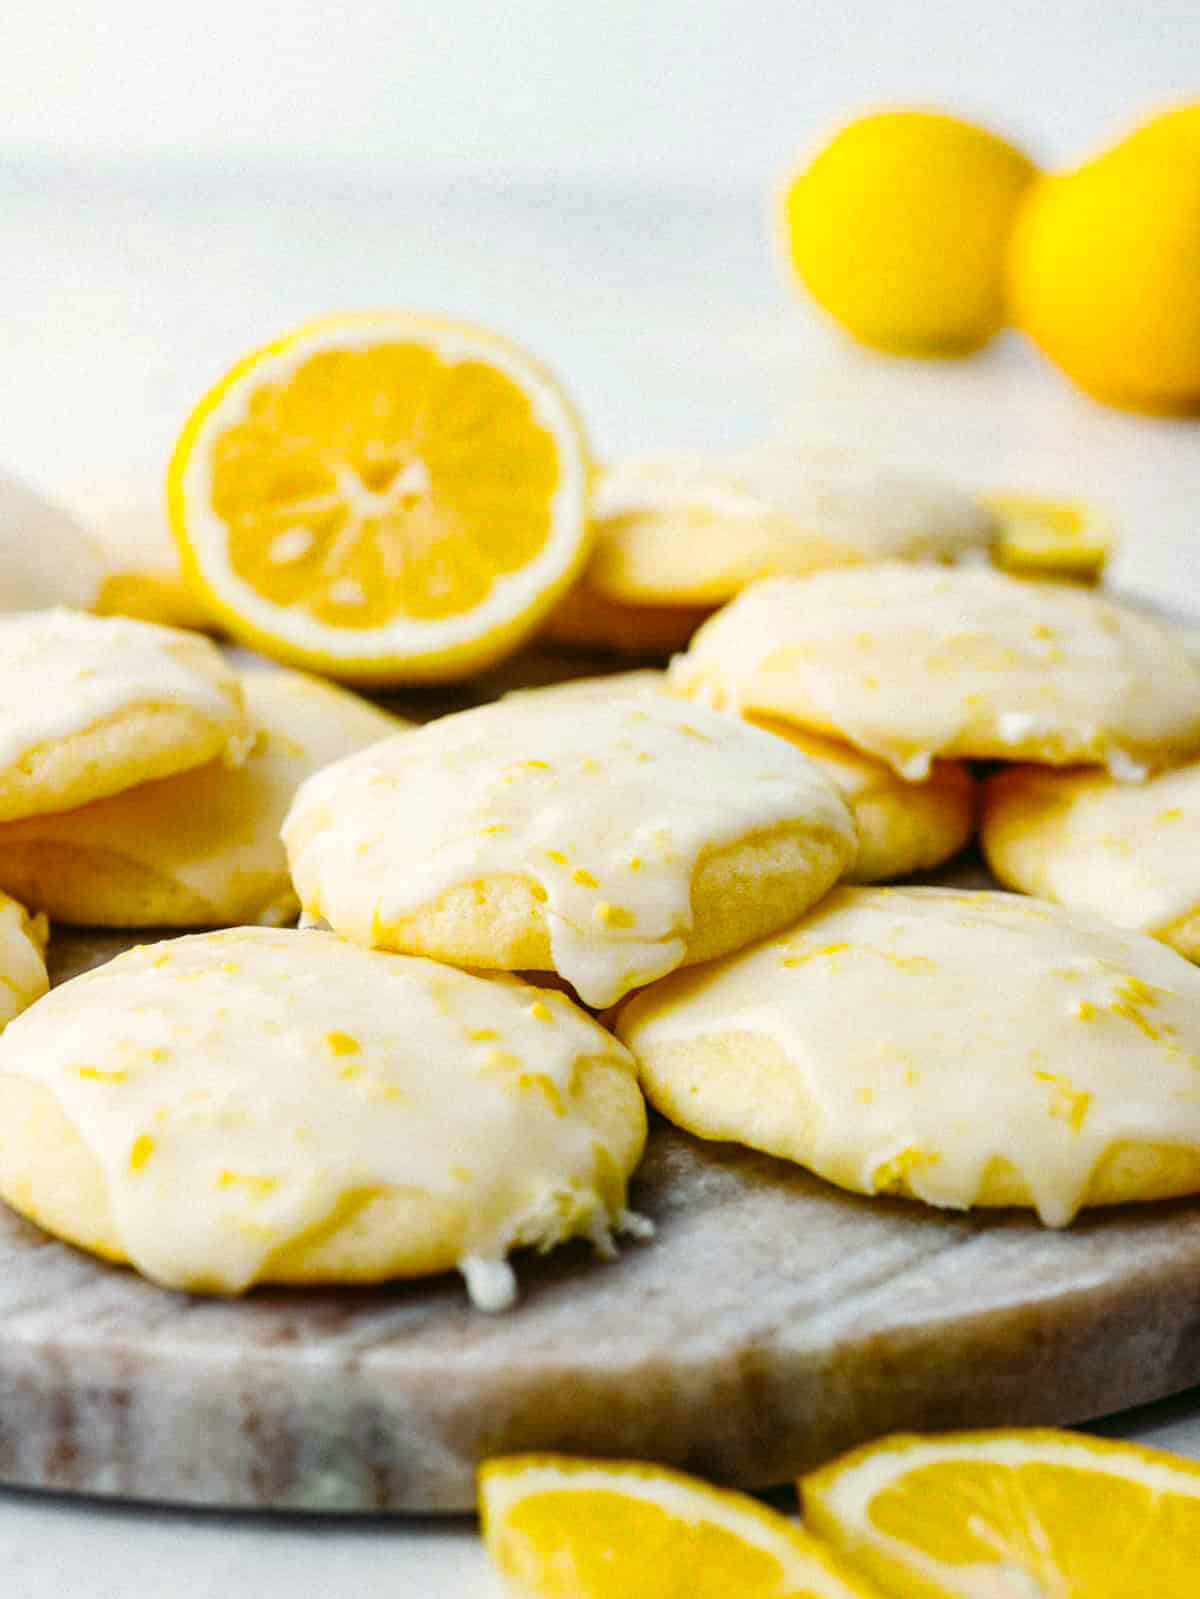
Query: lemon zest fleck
point(140, 1151)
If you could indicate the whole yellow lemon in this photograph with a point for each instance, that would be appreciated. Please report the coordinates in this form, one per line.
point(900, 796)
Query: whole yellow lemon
point(1104, 273)
point(899, 229)
point(1179, 125)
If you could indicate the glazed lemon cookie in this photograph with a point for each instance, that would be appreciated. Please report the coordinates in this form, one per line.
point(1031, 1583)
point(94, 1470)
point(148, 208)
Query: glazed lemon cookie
point(92, 705)
point(688, 529)
point(22, 959)
point(263, 1105)
point(46, 558)
point(606, 841)
point(200, 849)
point(145, 575)
point(963, 1048)
point(910, 662)
point(678, 534)
point(902, 827)
point(1130, 853)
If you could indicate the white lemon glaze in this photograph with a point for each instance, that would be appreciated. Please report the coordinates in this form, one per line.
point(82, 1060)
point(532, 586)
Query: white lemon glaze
point(674, 480)
point(606, 806)
point(62, 672)
point(908, 662)
point(887, 810)
point(868, 509)
point(1130, 854)
point(684, 526)
point(235, 1086)
point(932, 1031)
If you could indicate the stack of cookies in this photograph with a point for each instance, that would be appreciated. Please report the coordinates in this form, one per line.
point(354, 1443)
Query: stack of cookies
point(679, 534)
point(1055, 1052)
point(521, 921)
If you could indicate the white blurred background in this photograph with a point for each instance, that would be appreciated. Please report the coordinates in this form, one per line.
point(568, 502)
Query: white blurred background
point(181, 181)
point(695, 90)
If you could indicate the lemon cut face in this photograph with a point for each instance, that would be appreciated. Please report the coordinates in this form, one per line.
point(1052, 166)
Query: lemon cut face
point(563, 1528)
point(1016, 1513)
point(387, 497)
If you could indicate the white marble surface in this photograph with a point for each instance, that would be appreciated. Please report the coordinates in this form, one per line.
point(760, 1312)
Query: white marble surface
point(57, 1549)
point(52, 1548)
point(664, 313)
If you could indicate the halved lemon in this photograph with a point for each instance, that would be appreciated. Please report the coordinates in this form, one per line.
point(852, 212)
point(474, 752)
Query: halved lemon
point(563, 1528)
point(1031, 1514)
point(384, 497)
point(1040, 537)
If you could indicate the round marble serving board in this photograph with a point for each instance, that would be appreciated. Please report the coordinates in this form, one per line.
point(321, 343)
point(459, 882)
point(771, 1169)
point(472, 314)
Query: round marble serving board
point(771, 1322)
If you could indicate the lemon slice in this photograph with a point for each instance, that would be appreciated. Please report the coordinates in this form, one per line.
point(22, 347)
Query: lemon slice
point(386, 497)
point(559, 1528)
point(1049, 538)
point(1013, 1515)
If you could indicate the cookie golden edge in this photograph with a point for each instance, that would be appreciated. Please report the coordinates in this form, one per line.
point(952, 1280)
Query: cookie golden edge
point(903, 827)
point(81, 883)
point(740, 892)
point(144, 740)
point(1024, 813)
point(374, 1233)
point(682, 1083)
point(979, 739)
point(50, 1176)
point(713, 671)
point(90, 887)
point(742, 1086)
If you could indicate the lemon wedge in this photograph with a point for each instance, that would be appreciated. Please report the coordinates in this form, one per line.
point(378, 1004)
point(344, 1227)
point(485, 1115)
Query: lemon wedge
point(561, 1528)
point(1031, 1514)
point(384, 497)
point(1050, 538)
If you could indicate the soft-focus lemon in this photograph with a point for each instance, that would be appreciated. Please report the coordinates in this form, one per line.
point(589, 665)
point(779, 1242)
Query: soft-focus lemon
point(1179, 126)
point(561, 1528)
point(389, 497)
point(1030, 1514)
point(899, 229)
point(1044, 538)
point(1104, 272)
